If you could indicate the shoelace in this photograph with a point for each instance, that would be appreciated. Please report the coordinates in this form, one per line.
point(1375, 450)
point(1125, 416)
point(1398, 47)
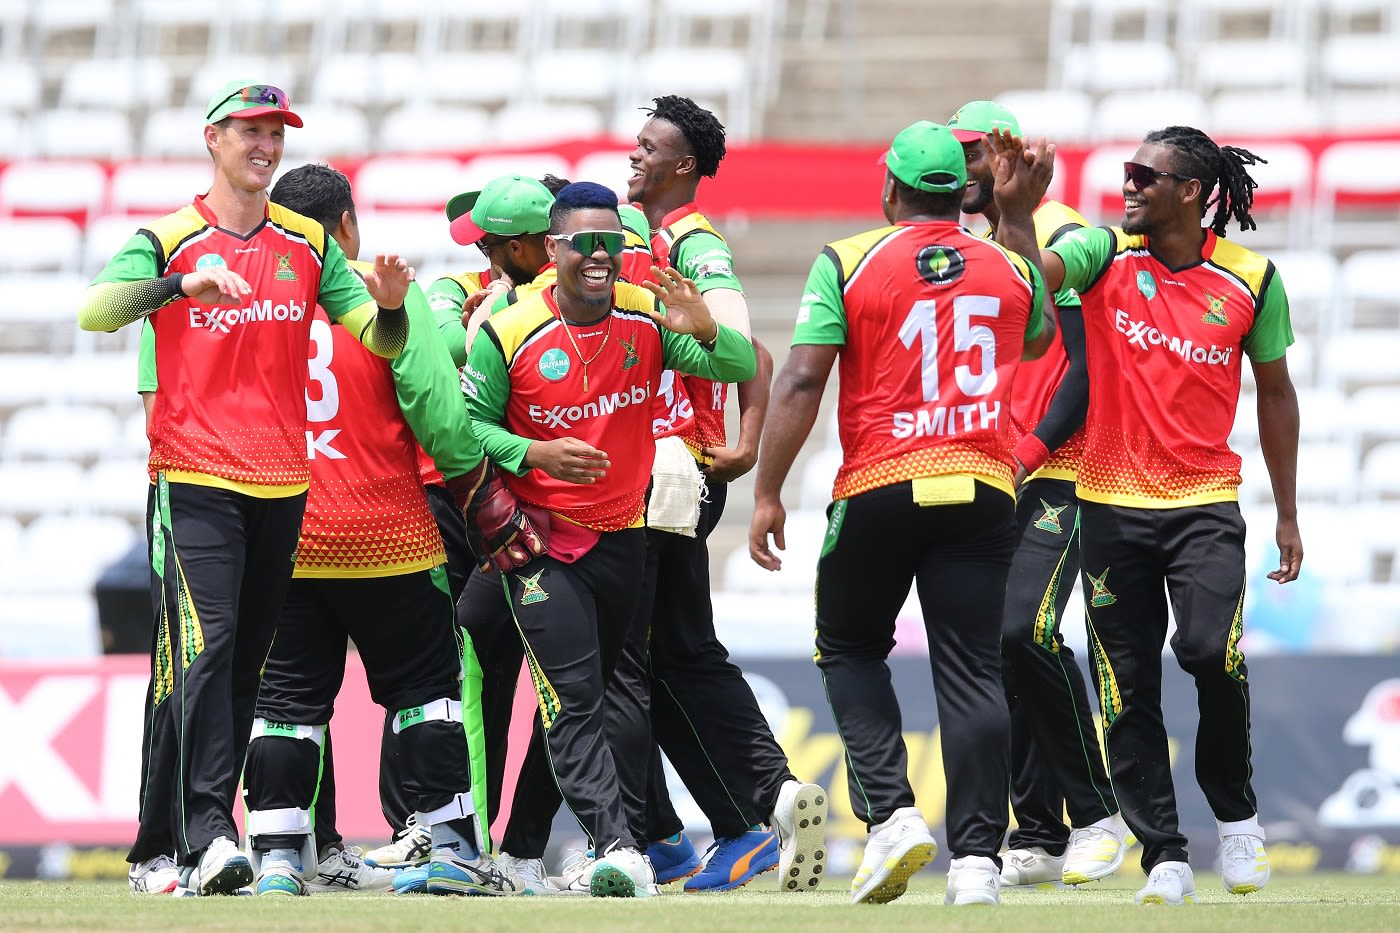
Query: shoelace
point(1239, 847)
point(161, 863)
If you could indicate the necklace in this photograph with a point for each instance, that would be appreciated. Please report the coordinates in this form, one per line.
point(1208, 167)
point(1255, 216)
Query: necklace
point(570, 334)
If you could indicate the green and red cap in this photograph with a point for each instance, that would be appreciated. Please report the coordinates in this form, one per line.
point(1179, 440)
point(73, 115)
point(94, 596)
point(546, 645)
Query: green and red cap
point(244, 100)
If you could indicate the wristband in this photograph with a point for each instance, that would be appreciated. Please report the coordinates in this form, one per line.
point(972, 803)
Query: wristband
point(1032, 453)
point(174, 281)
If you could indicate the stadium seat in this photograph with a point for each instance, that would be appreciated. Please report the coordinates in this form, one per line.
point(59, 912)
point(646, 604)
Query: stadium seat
point(105, 236)
point(485, 78)
point(427, 129)
point(73, 189)
point(1362, 111)
point(1326, 472)
point(156, 188)
point(702, 72)
point(1368, 296)
point(1283, 201)
point(175, 133)
point(212, 75)
point(1323, 414)
point(59, 432)
point(133, 441)
point(421, 237)
point(1254, 64)
point(592, 76)
point(1352, 358)
point(1101, 184)
point(477, 172)
point(369, 82)
point(158, 24)
point(21, 88)
point(107, 379)
point(1119, 66)
point(39, 244)
point(1064, 114)
point(127, 84)
point(527, 124)
point(1373, 414)
point(416, 182)
point(40, 299)
point(1310, 278)
point(607, 167)
point(82, 543)
point(83, 134)
point(1370, 61)
point(818, 475)
point(1358, 194)
point(49, 626)
point(117, 488)
point(1264, 113)
point(96, 21)
point(328, 132)
point(1380, 472)
point(30, 489)
point(11, 532)
point(1129, 115)
point(620, 25)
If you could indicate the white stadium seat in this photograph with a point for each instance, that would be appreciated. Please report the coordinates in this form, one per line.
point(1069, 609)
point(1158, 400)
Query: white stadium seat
point(1129, 115)
point(38, 244)
point(54, 432)
point(407, 182)
point(427, 129)
point(482, 169)
point(610, 167)
point(156, 188)
point(128, 84)
point(175, 133)
point(28, 489)
point(1056, 114)
point(84, 134)
point(116, 487)
point(527, 124)
point(72, 188)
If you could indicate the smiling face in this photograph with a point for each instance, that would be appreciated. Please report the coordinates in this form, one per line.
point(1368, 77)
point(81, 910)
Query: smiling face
point(247, 151)
point(1164, 203)
point(585, 288)
point(978, 193)
point(661, 155)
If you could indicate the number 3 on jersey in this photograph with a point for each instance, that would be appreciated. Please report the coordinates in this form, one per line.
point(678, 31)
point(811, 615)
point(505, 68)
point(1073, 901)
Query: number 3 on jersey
point(922, 326)
point(327, 403)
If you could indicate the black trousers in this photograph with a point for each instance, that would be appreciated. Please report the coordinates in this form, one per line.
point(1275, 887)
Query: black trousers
point(221, 563)
point(1056, 763)
point(702, 712)
point(958, 555)
point(573, 620)
point(1134, 560)
point(404, 629)
point(393, 795)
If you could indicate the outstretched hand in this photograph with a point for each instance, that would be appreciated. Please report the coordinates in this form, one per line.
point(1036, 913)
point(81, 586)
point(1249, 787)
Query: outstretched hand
point(1022, 175)
point(388, 282)
point(686, 311)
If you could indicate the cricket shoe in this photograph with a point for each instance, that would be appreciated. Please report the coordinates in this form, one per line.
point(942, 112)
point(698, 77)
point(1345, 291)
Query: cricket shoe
point(530, 873)
point(622, 872)
point(1032, 867)
point(734, 861)
point(1244, 866)
point(411, 880)
point(280, 879)
point(346, 870)
point(673, 859)
point(1170, 884)
point(894, 850)
point(159, 875)
point(1096, 851)
point(799, 819)
point(411, 846)
point(450, 873)
point(972, 880)
point(222, 869)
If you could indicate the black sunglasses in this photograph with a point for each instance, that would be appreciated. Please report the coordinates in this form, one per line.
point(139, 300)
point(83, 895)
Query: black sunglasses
point(486, 245)
point(257, 94)
point(1145, 176)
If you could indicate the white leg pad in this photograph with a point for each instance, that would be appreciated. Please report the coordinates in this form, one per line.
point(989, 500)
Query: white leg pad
point(264, 728)
point(458, 808)
point(443, 710)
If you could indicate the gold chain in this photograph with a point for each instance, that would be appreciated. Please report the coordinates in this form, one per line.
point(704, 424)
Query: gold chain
point(570, 334)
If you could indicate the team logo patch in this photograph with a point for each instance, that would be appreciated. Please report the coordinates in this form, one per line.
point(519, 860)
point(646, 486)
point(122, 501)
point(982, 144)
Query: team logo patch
point(940, 265)
point(554, 364)
point(1101, 595)
point(713, 267)
point(1050, 519)
point(630, 348)
point(285, 272)
point(1215, 310)
point(210, 261)
point(531, 592)
point(1147, 285)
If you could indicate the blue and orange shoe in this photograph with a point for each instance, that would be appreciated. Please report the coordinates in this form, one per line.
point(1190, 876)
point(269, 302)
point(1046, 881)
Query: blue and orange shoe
point(673, 859)
point(734, 861)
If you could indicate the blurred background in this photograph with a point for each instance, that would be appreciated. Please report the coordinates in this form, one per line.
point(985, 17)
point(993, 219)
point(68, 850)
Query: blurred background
point(101, 106)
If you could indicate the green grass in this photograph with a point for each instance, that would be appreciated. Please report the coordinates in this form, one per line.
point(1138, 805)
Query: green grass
point(1323, 902)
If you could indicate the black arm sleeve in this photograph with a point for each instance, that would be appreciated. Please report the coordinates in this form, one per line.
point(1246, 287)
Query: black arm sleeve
point(1070, 403)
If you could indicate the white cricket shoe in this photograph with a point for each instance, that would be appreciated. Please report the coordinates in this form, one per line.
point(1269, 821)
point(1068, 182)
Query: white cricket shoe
point(1096, 851)
point(1244, 866)
point(530, 872)
point(347, 870)
point(799, 819)
point(223, 869)
point(574, 875)
point(1170, 884)
point(411, 847)
point(159, 875)
point(894, 850)
point(622, 872)
point(973, 879)
point(1031, 866)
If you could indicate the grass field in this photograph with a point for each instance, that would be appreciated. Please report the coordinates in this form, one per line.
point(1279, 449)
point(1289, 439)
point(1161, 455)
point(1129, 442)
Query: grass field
point(1331, 902)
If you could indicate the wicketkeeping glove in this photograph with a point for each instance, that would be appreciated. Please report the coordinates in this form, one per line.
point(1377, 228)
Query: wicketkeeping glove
point(499, 533)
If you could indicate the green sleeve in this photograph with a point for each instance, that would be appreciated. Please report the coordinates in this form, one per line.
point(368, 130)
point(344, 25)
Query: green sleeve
point(487, 384)
point(445, 298)
point(1272, 333)
point(430, 393)
point(1035, 321)
point(135, 261)
point(342, 290)
point(706, 259)
point(732, 359)
point(1085, 253)
point(146, 380)
point(821, 317)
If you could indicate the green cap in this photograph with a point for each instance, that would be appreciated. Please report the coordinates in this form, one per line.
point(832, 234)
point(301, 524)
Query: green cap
point(926, 156)
point(510, 205)
point(248, 99)
point(634, 220)
point(977, 118)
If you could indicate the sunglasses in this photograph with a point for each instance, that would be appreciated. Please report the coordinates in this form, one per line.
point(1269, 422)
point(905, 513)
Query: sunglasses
point(589, 242)
point(1145, 176)
point(258, 94)
point(486, 245)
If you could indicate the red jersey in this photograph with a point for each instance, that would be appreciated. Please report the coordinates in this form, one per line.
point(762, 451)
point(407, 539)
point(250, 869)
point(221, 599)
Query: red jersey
point(932, 322)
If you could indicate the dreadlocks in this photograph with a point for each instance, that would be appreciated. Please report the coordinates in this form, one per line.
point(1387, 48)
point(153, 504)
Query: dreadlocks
point(1220, 169)
point(701, 129)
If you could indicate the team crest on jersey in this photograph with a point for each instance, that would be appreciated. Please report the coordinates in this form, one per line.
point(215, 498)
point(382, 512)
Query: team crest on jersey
point(210, 261)
point(1147, 285)
point(554, 364)
point(531, 592)
point(1050, 519)
point(1101, 596)
point(630, 348)
point(940, 265)
point(1215, 310)
point(285, 272)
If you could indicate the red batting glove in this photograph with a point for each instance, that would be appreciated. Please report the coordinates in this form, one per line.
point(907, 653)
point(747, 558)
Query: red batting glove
point(498, 531)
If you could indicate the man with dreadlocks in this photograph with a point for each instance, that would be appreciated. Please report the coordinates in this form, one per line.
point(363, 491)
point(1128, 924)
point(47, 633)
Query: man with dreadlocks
point(1169, 308)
